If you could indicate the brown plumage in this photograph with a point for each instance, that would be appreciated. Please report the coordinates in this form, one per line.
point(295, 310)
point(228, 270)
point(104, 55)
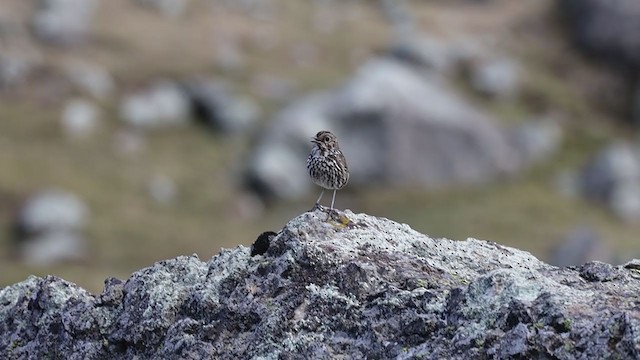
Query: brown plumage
point(326, 164)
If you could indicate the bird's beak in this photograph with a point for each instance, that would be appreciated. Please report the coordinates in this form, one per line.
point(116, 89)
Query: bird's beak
point(315, 141)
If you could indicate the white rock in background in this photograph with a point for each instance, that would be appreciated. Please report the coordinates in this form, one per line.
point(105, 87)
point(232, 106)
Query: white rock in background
point(536, 140)
point(63, 22)
point(162, 189)
point(497, 78)
point(49, 227)
point(91, 78)
point(53, 210)
point(163, 104)
point(167, 7)
point(625, 200)
point(14, 68)
point(53, 247)
point(612, 177)
point(445, 140)
point(80, 118)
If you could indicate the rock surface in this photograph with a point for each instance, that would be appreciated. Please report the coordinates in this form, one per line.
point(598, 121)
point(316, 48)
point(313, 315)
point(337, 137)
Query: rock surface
point(330, 285)
point(608, 29)
point(162, 104)
point(64, 22)
point(612, 178)
point(49, 228)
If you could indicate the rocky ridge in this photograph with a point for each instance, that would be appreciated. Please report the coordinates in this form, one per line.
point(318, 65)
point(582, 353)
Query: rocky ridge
point(335, 284)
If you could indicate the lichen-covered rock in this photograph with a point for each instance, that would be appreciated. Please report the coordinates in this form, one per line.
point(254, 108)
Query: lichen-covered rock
point(331, 285)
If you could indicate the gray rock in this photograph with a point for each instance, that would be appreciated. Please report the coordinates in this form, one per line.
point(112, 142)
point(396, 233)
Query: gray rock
point(608, 29)
point(217, 107)
point(171, 8)
point(63, 22)
point(15, 67)
point(399, 15)
point(612, 177)
point(49, 227)
point(389, 133)
point(581, 245)
point(91, 78)
point(80, 118)
point(335, 285)
point(163, 104)
point(53, 247)
point(536, 139)
point(496, 78)
point(52, 210)
point(162, 189)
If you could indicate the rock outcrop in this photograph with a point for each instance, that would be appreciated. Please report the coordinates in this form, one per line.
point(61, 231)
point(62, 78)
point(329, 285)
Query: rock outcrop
point(334, 285)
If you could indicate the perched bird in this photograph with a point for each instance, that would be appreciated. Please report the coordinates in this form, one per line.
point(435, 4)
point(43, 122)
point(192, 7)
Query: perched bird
point(326, 164)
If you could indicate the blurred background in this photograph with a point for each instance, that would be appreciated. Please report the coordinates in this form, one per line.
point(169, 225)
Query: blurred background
point(133, 131)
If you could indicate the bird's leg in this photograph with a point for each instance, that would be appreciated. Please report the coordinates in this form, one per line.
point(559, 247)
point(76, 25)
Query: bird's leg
point(318, 201)
point(334, 198)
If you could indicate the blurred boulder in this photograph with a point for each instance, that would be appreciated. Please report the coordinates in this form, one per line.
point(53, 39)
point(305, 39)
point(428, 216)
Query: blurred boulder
point(15, 67)
point(213, 104)
point(612, 177)
point(162, 189)
point(608, 29)
point(581, 245)
point(395, 125)
point(166, 7)
point(496, 78)
point(52, 210)
point(49, 227)
point(403, 127)
point(399, 15)
point(80, 118)
point(53, 247)
point(91, 78)
point(160, 105)
point(63, 22)
point(536, 139)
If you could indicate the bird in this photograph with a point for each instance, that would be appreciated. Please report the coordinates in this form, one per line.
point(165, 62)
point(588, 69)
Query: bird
point(327, 165)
